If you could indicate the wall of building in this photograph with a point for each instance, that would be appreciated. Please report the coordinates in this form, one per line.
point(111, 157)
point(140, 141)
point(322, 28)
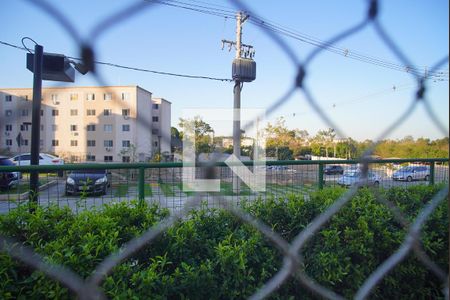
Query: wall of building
point(68, 111)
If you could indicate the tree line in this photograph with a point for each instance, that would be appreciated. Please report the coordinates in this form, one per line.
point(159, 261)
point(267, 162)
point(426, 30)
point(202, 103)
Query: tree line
point(283, 143)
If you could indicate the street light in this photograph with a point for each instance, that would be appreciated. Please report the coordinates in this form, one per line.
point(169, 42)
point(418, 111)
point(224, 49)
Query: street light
point(45, 66)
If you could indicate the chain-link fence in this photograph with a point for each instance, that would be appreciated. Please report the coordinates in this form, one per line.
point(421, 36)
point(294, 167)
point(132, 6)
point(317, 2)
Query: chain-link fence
point(293, 264)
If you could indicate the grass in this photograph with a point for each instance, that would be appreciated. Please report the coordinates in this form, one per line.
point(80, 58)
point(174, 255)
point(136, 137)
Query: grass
point(167, 190)
point(226, 188)
point(122, 190)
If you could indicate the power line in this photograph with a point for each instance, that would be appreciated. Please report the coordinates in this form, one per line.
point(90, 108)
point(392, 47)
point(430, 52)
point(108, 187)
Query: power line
point(206, 8)
point(133, 68)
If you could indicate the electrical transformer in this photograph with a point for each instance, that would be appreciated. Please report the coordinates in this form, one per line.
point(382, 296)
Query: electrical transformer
point(244, 69)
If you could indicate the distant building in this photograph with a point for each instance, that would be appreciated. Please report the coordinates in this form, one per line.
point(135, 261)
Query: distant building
point(245, 142)
point(98, 124)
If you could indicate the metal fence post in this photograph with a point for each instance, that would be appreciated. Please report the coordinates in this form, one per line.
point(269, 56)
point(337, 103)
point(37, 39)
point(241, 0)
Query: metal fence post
point(36, 121)
point(141, 183)
point(321, 176)
point(432, 172)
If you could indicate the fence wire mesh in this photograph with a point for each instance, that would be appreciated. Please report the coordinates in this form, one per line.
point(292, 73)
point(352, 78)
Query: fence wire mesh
point(292, 252)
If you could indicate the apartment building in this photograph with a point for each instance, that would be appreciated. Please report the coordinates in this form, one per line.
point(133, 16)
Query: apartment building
point(96, 124)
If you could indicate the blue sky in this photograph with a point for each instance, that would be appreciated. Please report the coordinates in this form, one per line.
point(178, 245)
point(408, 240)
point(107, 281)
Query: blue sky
point(358, 97)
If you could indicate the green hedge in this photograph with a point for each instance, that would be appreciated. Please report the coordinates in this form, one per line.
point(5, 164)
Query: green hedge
point(212, 255)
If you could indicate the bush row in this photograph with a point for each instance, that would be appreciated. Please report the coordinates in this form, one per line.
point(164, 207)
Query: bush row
point(211, 255)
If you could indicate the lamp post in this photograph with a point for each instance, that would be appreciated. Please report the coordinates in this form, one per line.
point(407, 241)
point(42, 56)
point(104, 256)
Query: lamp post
point(45, 66)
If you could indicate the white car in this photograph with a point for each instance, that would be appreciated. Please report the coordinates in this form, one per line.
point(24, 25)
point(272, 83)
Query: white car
point(24, 159)
point(411, 173)
point(353, 177)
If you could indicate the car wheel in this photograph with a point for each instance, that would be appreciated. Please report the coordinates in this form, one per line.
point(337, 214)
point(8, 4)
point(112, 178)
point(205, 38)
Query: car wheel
point(409, 179)
point(427, 178)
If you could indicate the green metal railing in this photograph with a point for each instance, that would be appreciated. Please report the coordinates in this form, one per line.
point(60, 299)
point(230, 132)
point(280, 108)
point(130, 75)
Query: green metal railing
point(163, 181)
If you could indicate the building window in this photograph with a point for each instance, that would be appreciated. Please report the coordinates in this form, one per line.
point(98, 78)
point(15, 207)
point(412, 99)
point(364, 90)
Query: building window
point(90, 157)
point(126, 159)
point(126, 112)
point(42, 112)
point(155, 119)
point(126, 144)
point(74, 112)
point(125, 127)
point(8, 127)
point(55, 99)
point(8, 98)
point(55, 112)
point(90, 97)
point(155, 143)
point(73, 143)
point(24, 112)
point(91, 143)
point(155, 106)
point(107, 112)
point(73, 128)
point(91, 127)
point(23, 127)
point(107, 96)
point(8, 142)
point(107, 128)
point(108, 143)
point(54, 127)
point(73, 97)
point(8, 112)
point(55, 143)
point(90, 112)
point(108, 158)
point(25, 143)
point(125, 96)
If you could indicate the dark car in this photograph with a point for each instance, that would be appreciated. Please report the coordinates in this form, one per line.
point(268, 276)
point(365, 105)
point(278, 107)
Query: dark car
point(333, 170)
point(88, 181)
point(8, 179)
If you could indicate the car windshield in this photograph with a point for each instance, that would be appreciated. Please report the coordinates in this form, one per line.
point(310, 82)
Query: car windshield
point(351, 174)
point(407, 169)
point(88, 172)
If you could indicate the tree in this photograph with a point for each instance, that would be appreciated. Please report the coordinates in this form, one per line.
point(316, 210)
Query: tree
point(203, 134)
point(176, 137)
point(325, 138)
point(279, 136)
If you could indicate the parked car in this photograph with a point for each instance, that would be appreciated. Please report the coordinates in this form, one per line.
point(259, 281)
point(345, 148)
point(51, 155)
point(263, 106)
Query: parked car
point(353, 177)
point(281, 169)
point(90, 181)
point(8, 179)
point(24, 159)
point(333, 170)
point(411, 173)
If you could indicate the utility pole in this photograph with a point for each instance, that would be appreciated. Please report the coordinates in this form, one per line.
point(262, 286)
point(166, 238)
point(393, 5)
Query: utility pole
point(244, 70)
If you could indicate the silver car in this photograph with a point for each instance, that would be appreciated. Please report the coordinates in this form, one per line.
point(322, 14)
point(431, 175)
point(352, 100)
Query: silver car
point(411, 173)
point(353, 177)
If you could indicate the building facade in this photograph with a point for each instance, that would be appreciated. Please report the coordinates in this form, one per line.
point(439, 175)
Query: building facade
point(94, 124)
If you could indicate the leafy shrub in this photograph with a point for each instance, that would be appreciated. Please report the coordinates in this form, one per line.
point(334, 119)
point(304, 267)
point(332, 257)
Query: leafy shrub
point(210, 254)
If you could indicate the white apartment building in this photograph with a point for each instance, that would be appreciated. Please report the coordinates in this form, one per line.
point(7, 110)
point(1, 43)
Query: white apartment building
point(96, 124)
